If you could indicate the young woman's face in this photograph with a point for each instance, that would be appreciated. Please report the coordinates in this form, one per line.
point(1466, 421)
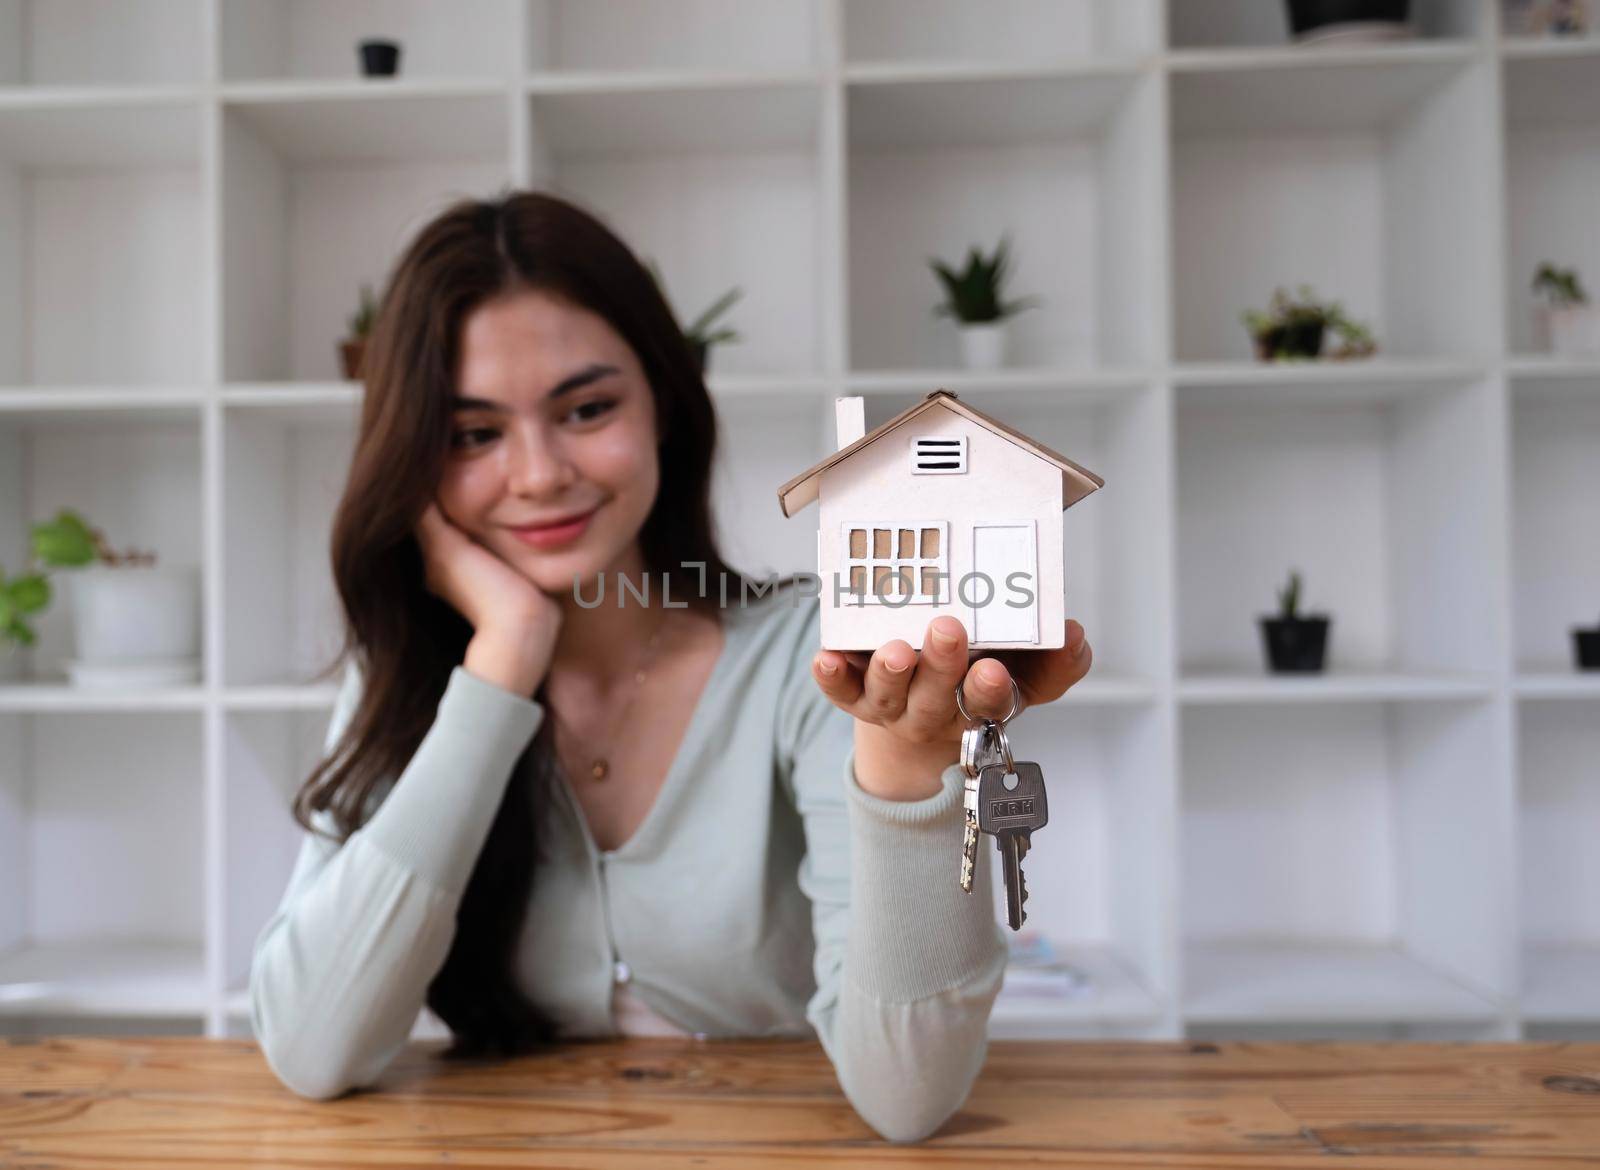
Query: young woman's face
point(558, 422)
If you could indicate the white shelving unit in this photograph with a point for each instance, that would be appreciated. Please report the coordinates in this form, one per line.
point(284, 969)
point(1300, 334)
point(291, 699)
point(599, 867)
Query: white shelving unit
point(191, 192)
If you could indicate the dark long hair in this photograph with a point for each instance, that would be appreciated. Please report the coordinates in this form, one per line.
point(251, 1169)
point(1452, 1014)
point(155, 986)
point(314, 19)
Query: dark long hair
point(406, 639)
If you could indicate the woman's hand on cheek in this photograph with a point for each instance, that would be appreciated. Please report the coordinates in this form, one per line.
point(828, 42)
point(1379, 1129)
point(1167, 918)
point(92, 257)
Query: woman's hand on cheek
point(908, 728)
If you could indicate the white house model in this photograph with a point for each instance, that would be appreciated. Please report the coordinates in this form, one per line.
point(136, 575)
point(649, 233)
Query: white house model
point(941, 510)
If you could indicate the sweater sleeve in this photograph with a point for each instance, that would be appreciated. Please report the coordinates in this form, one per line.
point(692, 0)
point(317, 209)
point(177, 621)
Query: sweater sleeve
point(907, 966)
point(340, 972)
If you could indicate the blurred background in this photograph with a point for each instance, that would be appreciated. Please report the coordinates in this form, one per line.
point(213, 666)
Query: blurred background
point(1306, 282)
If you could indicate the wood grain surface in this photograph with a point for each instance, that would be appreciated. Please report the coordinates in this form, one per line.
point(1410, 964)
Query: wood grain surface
point(665, 1104)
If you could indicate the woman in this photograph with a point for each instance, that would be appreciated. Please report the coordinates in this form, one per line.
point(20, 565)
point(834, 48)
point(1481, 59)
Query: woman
point(545, 816)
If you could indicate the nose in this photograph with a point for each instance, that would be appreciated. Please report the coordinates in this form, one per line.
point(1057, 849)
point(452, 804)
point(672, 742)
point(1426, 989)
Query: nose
point(538, 467)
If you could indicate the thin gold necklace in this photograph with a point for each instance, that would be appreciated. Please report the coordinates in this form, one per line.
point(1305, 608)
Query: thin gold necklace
point(600, 765)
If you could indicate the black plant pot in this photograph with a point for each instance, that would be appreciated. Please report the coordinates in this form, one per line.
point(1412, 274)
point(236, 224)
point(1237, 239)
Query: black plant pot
point(1295, 645)
point(380, 58)
point(1586, 647)
point(1300, 341)
point(1308, 15)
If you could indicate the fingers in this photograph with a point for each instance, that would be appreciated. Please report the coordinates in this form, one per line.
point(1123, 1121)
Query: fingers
point(837, 678)
point(885, 686)
point(931, 703)
point(987, 689)
point(1045, 676)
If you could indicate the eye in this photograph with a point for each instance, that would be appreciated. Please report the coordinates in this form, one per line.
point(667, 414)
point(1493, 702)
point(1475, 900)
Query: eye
point(472, 437)
point(596, 408)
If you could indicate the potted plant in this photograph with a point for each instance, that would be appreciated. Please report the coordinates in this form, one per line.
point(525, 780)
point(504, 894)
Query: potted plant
point(1295, 328)
point(973, 297)
point(379, 58)
point(699, 336)
point(133, 623)
point(1344, 21)
point(1294, 642)
point(1570, 324)
point(1586, 646)
point(353, 348)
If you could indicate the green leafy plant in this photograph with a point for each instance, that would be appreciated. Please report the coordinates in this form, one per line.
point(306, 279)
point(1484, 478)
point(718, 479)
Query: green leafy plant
point(359, 323)
point(974, 296)
point(1289, 598)
point(1560, 287)
point(699, 335)
point(67, 542)
point(1293, 327)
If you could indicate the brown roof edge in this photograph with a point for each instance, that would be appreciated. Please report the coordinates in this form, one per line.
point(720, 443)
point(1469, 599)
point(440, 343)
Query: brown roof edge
point(1078, 481)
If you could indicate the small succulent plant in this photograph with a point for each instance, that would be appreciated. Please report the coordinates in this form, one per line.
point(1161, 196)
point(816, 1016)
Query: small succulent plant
point(360, 322)
point(1289, 598)
point(974, 296)
point(1560, 286)
point(1293, 328)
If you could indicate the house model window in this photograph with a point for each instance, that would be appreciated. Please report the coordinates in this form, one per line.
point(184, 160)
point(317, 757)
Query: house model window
point(939, 455)
point(904, 562)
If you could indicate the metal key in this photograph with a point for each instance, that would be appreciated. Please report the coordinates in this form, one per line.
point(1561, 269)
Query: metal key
point(978, 748)
point(1012, 815)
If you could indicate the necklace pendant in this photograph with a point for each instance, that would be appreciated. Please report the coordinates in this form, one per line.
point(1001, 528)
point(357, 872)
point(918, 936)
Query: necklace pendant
point(599, 769)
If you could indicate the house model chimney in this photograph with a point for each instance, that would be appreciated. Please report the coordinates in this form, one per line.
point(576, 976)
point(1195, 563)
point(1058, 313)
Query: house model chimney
point(851, 416)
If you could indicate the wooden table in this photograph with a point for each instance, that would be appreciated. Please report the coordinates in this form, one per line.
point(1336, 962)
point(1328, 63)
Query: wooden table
point(661, 1104)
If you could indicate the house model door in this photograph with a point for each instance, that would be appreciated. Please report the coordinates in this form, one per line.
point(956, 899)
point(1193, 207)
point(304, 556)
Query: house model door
point(998, 551)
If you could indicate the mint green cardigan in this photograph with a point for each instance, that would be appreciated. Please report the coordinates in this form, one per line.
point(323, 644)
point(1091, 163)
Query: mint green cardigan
point(764, 894)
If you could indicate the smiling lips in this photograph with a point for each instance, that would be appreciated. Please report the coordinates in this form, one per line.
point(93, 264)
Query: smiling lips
point(544, 536)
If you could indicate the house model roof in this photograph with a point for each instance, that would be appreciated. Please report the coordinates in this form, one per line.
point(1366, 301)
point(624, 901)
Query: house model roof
point(1076, 481)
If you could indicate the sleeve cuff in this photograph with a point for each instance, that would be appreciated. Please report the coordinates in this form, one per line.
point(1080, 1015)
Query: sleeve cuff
point(437, 815)
point(913, 932)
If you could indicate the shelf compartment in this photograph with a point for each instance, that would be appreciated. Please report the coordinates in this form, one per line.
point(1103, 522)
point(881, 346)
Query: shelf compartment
point(133, 473)
point(321, 195)
point(267, 756)
point(91, 43)
point(1555, 561)
point(719, 186)
point(1345, 863)
point(1332, 983)
point(1557, 745)
point(1116, 1002)
point(285, 470)
point(115, 191)
point(761, 443)
point(693, 36)
point(1552, 132)
point(1096, 872)
point(1068, 167)
point(1366, 181)
point(1367, 499)
point(121, 935)
point(319, 38)
point(1210, 23)
point(1001, 31)
point(1054, 385)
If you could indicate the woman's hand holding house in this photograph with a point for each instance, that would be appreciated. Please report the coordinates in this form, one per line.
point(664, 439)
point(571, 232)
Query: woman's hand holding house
point(908, 729)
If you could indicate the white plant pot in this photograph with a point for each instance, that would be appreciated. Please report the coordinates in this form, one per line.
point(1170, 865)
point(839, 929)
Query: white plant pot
point(983, 347)
point(1574, 331)
point(135, 622)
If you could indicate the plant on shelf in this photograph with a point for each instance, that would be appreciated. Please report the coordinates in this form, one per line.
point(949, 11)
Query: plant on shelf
point(699, 336)
point(1569, 323)
point(1586, 646)
point(1293, 328)
point(353, 349)
point(1294, 642)
point(132, 621)
point(975, 299)
point(379, 57)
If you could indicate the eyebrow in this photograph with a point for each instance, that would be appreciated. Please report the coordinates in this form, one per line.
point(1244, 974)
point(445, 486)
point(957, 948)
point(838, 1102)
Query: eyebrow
point(567, 385)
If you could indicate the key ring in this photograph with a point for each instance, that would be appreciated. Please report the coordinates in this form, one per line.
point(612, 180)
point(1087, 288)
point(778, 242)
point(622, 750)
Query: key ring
point(1016, 701)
